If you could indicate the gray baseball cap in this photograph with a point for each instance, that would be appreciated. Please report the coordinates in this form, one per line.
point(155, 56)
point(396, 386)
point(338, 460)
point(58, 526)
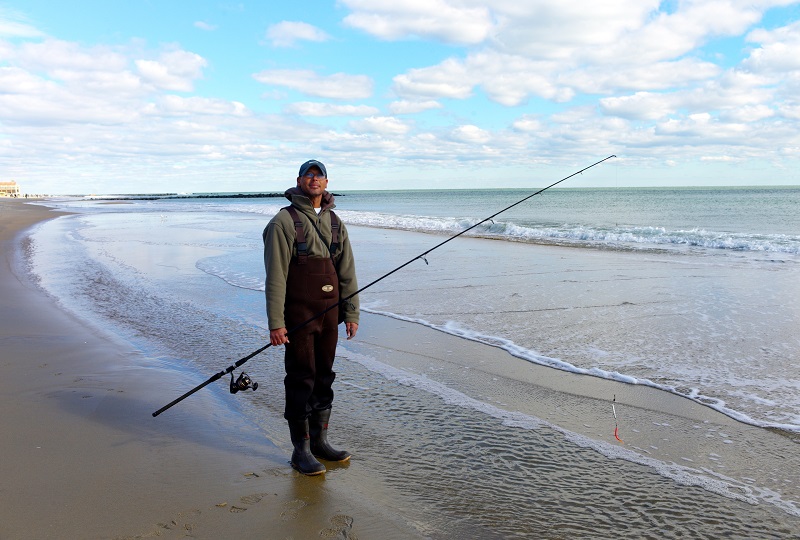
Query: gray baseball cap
point(312, 163)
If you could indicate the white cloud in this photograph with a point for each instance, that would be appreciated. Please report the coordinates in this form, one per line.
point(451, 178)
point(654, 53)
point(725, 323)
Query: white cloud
point(308, 108)
point(528, 123)
point(779, 51)
point(97, 70)
point(580, 130)
point(336, 86)
point(287, 33)
point(14, 25)
point(14, 80)
point(368, 147)
point(602, 79)
point(620, 31)
point(202, 25)
point(450, 79)
point(719, 158)
point(53, 54)
point(444, 20)
point(411, 107)
point(734, 88)
point(110, 84)
point(174, 70)
point(6, 50)
point(747, 114)
point(555, 50)
point(26, 97)
point(40, 102)
point(105, 105)
point(510, 80)
point(470, 134)
point(639, 106)
point(790, 110)
point(670, 35)
point(735, 94)
point(382, 125)
point(195, 105)
point(636, 32)
point(562, 30)
point(701, 126)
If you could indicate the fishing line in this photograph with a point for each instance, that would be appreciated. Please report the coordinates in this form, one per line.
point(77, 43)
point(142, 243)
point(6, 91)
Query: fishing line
point(347, 299)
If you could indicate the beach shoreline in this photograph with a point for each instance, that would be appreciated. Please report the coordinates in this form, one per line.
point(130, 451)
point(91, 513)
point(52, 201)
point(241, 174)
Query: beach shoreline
point(83, 458)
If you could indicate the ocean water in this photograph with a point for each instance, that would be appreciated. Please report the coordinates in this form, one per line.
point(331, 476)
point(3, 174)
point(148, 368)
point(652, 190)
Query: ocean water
point(691, 291)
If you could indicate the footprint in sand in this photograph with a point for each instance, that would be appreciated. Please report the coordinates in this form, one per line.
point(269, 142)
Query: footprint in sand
point(281, 472)
point(341, 528)
point(252, 499)
point(292, 509)
point(178, 522)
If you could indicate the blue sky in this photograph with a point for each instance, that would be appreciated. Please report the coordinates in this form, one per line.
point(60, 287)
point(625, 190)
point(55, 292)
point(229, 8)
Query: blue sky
point(144, 96)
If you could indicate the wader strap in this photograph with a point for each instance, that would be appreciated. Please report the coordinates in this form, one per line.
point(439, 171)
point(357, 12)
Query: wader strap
point(334, 233)
point(302, 246)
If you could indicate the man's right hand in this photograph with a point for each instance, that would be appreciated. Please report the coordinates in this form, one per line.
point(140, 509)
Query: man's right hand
point(278, 337)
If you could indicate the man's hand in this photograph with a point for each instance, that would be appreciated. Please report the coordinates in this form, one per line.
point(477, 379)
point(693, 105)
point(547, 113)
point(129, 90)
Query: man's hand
point(278, 336)
point(351, 329)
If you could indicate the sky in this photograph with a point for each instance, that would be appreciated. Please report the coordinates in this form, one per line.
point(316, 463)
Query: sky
point(183, 96)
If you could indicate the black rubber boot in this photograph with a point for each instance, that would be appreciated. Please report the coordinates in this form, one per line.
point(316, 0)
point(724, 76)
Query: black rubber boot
point(302, 459)
point(318, 426)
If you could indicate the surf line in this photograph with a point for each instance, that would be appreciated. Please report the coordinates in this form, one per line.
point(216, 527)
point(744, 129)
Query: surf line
point(237, 385)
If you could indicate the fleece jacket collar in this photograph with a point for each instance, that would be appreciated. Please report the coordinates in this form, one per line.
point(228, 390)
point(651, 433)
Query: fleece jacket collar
point(301, 200)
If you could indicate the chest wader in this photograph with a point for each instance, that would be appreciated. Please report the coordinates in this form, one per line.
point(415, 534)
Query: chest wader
point(312, 286)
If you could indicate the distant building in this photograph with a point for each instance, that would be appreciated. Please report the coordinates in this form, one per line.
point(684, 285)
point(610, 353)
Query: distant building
point(9, 189)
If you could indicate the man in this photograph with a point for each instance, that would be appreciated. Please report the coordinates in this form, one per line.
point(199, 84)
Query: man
point(308, 270)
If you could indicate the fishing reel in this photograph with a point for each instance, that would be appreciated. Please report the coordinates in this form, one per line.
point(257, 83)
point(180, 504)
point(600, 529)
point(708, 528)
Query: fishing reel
point(244, 382)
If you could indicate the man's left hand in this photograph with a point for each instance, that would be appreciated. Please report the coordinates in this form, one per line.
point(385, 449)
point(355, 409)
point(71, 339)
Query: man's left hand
point(351, 329)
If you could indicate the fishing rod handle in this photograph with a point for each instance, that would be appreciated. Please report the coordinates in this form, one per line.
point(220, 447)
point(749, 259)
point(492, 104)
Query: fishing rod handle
point(216, 377)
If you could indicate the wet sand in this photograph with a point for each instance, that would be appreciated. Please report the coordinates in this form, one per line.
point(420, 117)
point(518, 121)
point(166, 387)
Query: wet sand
point(83, 458)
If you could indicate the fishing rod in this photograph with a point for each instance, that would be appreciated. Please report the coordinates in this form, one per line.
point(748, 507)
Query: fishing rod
point(244, 382)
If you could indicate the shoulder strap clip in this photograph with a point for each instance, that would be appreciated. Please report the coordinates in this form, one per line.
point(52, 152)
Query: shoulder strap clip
point(302, 246)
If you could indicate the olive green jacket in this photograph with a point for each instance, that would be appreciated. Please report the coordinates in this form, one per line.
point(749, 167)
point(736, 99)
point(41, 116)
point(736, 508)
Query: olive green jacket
point(280, 246)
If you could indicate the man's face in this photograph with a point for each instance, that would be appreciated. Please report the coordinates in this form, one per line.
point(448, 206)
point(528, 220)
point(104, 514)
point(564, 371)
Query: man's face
point(313, 182)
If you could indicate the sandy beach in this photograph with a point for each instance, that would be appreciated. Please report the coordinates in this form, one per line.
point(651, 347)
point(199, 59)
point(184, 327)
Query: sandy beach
point(83, 458)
